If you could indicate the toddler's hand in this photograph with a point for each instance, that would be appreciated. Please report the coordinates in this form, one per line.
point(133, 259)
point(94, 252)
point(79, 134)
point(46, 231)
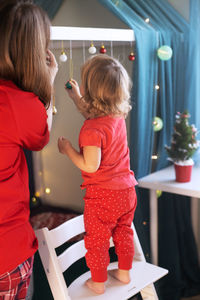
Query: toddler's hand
point(63, 145)
point(74, 92)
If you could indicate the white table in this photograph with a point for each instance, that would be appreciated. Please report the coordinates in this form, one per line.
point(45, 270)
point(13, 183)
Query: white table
point(164, 180)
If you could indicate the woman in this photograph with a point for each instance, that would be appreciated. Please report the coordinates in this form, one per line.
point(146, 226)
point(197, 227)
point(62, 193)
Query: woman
point(27, 72)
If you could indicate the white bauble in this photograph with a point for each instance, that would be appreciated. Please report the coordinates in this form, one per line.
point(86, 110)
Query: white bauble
point(63, 57)
point(92, 50)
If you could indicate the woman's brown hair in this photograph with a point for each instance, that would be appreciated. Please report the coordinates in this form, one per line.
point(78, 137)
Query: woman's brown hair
point(106, 86)
point(25, 36)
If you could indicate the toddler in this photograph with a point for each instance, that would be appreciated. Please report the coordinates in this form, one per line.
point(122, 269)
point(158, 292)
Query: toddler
point(110, 198)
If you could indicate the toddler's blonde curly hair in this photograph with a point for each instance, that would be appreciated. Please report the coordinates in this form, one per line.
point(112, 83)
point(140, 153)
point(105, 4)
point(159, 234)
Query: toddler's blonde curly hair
point(106, 87)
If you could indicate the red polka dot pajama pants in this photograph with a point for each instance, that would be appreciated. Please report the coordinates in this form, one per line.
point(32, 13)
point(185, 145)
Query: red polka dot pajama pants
point(108, 213)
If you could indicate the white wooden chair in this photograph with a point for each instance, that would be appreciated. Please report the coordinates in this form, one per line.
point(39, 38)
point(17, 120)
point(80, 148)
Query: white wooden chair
point(143, 274)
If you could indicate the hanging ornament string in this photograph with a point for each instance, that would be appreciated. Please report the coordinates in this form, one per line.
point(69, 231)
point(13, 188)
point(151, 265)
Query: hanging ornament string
point(63, 56)
point(111, 48)
point(83, 51)
point(68, 84)
point(131, 56)
point(54, 110)
point(71, 61)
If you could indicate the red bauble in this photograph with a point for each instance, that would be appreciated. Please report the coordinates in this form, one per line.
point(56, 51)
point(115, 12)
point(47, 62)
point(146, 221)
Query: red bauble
point(131, 56)
point(102, 49)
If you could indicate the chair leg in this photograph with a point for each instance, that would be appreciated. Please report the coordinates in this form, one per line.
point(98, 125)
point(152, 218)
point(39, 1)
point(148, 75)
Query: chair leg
point(149, 293)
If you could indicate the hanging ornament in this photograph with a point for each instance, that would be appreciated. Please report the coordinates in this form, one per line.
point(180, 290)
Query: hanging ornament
point(102, 49)
point(68, 84)
point(63, 57)
point(92, 49)
point(54, 110)
point(164, 52)
point(131, 56)
point(157, 124)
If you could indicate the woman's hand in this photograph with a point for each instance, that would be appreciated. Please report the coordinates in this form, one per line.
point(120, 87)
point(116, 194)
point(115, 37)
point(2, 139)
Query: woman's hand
point(52, 64)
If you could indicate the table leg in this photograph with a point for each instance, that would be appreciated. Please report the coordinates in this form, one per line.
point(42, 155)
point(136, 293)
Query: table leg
point(154, 226)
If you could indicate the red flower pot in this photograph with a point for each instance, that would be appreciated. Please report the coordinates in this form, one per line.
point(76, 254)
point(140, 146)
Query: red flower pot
point(183, 173)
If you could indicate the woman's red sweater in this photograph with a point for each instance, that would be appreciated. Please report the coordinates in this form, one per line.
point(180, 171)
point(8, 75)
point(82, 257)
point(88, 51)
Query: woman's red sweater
point(23, 124)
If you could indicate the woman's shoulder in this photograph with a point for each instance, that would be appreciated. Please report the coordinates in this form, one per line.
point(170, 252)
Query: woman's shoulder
point(17, 97)
point(8, 86)
point(23, 105)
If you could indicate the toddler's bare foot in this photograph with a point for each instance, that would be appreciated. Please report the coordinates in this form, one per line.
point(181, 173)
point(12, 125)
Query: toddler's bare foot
point(121, 275)
point(97, 287)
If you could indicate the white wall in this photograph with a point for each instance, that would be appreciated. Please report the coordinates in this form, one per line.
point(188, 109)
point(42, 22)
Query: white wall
point(182, 6)
point(87, 13)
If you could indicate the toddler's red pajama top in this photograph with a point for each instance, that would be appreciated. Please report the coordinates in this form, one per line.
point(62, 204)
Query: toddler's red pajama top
point(23, 124)
point(110, 198)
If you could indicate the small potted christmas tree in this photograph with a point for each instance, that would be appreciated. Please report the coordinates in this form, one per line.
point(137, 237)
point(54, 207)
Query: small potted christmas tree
point(183, 145)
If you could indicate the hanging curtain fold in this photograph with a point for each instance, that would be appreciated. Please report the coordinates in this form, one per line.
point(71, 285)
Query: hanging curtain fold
point(179, 82)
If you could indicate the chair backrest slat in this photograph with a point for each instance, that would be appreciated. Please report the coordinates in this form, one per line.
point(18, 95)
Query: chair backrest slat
point(71, 255)
point(67, 230)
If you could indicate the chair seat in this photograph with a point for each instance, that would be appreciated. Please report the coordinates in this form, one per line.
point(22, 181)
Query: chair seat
point(142, 275)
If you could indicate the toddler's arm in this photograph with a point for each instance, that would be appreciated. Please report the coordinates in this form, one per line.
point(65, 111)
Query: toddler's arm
point(75, 94)
point(88, 162)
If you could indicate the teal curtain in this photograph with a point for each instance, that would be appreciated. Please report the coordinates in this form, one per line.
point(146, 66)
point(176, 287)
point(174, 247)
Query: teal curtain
point(179, 81)
point(50, 6)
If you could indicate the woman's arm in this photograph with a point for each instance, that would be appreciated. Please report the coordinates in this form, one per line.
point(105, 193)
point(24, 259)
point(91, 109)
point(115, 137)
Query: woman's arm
point(53, 69)
point(50, 116)
point(88, 162)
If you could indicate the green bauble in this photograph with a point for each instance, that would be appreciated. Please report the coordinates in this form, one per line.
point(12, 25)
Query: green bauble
point(157, 124)
point(68, 85)
point(164, 52)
